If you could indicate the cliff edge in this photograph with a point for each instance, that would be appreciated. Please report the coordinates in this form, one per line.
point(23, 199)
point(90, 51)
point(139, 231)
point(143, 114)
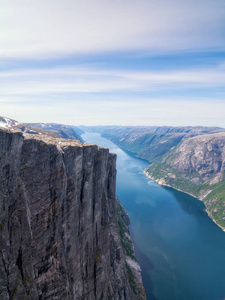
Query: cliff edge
point(190, 159)
point(59, 233)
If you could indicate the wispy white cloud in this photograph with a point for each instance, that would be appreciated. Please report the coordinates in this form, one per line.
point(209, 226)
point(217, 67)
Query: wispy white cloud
point(49, 28)
point(100, 112)
point(107, 93)
point(91, 80)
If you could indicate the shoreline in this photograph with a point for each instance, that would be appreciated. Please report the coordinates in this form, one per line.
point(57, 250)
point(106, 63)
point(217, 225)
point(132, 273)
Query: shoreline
point(149, 176)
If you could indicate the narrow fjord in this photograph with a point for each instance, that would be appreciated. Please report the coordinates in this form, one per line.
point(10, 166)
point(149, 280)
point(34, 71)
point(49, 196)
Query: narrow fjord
point(180, 249)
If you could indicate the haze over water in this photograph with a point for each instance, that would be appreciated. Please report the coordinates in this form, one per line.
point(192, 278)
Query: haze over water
point(180, 249)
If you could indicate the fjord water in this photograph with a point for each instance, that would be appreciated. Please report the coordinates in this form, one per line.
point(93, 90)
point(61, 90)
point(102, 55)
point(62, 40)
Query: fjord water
point(180, 249)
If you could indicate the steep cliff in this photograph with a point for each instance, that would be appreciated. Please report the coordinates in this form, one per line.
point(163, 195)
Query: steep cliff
point(190, 159)
point(151, 142)
point(59, 234)
point(196, 166)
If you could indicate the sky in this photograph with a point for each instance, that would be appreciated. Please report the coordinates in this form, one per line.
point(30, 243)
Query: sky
point(113, 62)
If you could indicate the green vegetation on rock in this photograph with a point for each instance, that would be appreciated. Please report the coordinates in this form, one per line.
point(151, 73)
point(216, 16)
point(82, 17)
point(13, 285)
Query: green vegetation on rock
point(190, 159)
point(215, 203)
point(165, 174)
point(128, 249)
point(196, 166)
point(123, 222)
point(131, 279)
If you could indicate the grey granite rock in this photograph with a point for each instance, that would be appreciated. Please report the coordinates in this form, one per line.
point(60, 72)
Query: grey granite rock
point(59, 235)
point(204, 155)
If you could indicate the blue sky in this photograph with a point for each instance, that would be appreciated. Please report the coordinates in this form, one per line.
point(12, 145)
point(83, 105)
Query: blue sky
point(123, 62)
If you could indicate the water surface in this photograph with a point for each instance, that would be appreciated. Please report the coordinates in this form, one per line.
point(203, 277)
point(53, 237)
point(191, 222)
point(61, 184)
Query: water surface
point(180, 249)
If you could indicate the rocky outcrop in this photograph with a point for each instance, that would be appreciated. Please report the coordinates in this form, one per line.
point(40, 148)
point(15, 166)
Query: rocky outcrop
point(132, 266)
point(59, 234)
point(202, 155)
point(196, 166)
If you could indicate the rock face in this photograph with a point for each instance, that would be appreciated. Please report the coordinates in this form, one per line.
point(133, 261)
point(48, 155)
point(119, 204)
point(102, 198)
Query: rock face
point(190, 159)
point(59, 234)
point(152, 143)
point(202, 155)
point(196, 166)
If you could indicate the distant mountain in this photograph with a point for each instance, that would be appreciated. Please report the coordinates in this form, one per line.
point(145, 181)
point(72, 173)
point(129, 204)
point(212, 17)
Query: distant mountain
point(13, 125)
point(190, 159)
point(196, 166)
point(78, 130)
point(64, 131)
point(99, 128)
point(48, 129)
point(8, 123)
point(151, 142)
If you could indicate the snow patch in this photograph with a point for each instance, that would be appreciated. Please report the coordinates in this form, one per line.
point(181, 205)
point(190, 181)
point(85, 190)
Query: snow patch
point(3, 124)
point(8, 123)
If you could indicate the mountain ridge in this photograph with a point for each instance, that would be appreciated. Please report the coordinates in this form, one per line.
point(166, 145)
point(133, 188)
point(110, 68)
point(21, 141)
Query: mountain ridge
point(191, 160)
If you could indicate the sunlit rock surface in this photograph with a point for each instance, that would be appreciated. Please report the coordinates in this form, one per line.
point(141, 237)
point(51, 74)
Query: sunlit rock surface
point(59, 234)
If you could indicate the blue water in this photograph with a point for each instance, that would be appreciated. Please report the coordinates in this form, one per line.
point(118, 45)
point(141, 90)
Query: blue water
point(180, 249)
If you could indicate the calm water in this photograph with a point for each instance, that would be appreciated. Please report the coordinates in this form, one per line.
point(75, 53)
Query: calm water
point(180, 250)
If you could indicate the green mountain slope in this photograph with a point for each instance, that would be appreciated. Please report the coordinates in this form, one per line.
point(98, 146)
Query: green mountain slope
point(190, 159)
point(152, 143)
point(196, 166)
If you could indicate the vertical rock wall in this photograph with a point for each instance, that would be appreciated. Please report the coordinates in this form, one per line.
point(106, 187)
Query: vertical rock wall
point(59, 236)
